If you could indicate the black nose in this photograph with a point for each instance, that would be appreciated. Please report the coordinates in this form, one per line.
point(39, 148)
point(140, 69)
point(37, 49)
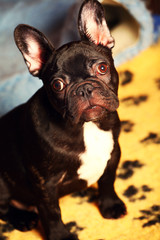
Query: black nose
point(85, 90)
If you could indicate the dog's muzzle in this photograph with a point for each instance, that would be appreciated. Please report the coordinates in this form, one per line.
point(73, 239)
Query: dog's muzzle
point(89, 100)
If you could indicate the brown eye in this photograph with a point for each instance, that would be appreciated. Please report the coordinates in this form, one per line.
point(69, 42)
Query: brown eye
point(58, 85)
point(102, 68)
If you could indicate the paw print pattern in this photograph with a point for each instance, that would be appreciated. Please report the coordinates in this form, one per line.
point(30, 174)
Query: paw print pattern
point(125, 77)
point(151, 138)
point(128, 167)
point(74, 228)
point(88, 195)
point(157, 81)
point(151, 216)
point(131, 192)
point(134, 100)
point(127, 126)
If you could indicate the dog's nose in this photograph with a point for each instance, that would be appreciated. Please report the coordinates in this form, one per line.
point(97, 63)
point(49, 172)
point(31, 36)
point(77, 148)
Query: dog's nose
point(85, 90)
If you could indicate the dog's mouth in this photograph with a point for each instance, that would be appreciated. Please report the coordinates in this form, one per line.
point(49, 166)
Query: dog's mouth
point(92, 113)
point(92, 110)
point(90, 101)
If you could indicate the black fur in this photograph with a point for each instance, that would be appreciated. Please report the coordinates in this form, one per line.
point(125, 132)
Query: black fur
point(42, 139)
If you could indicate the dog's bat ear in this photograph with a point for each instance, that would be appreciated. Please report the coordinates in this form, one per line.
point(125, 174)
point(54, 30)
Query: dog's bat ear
point(34, 46)
point(92, 24)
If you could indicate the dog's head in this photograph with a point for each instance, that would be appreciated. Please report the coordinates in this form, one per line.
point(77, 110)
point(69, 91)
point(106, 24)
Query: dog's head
point(80, 78)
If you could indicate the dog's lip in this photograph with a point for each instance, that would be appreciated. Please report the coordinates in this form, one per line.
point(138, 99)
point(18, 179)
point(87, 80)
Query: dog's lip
point(93, 113)
point(94, 107)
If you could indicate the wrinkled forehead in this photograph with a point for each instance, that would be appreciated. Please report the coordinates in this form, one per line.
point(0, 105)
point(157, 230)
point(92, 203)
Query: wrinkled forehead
point(77, 55)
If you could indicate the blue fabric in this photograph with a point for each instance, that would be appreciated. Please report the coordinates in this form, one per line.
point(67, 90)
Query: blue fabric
point(16, 84)
point(17, 90)
point(156, 20)
point(143, 17)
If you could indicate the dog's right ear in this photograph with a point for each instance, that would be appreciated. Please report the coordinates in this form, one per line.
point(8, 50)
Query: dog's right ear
point(34, 46)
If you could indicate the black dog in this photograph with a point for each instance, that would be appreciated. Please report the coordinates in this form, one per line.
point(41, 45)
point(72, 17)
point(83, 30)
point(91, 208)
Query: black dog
point(65, 138)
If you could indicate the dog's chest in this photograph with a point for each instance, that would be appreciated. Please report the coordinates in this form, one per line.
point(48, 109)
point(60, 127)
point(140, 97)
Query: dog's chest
point(98, 148)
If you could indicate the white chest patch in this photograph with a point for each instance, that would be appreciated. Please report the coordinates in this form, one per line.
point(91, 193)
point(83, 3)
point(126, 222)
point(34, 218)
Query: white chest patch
point(98, 148)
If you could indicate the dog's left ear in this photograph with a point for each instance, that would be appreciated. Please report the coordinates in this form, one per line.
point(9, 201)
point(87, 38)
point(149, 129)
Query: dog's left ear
point(92, 24)
point(34, 46)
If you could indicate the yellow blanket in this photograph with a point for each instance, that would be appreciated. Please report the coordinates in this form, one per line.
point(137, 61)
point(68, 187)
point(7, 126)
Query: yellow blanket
point(138, 176)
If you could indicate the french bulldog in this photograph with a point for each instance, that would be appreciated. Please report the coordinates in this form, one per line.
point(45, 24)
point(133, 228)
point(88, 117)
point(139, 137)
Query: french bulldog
point(65, 137)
